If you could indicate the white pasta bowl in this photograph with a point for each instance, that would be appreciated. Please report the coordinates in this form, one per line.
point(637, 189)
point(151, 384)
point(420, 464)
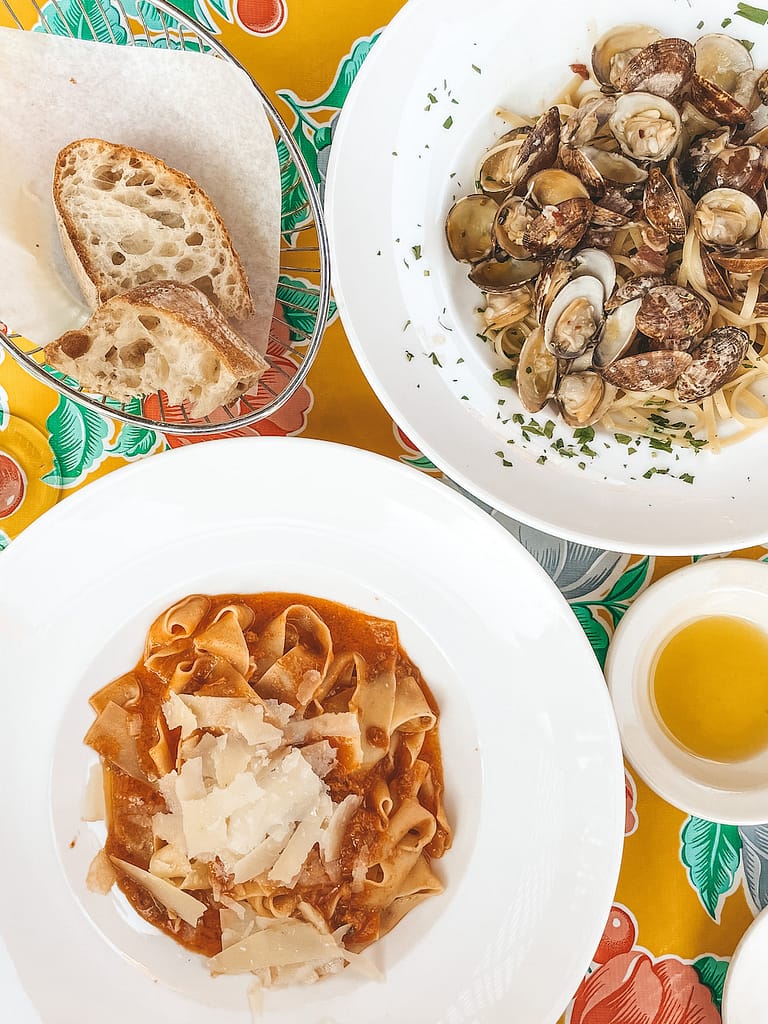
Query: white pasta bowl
point(407, 145)
point(532, 764)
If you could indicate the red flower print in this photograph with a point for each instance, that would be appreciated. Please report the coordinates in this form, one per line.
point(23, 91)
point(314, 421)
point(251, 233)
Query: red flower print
point(290, 418)
point(630, 987)
point(630, 792)
point(262, 17)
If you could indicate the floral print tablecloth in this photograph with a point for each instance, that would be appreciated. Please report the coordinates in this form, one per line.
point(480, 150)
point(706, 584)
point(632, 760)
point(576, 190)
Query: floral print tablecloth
point(688, 888)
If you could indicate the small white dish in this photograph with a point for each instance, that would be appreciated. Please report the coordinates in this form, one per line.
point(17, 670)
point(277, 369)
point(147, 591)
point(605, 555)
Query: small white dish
point(734, 793)
point(745, 995)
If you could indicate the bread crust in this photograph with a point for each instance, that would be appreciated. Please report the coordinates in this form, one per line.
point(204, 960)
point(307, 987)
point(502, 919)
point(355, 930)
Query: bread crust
point(183, 311)
point(94, 276)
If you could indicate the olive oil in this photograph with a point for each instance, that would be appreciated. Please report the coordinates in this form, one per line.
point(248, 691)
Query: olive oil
point(709, 686)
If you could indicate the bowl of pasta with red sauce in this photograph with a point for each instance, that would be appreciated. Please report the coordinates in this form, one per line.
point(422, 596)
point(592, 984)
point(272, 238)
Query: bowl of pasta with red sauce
point(550, 245)
point(274, 758)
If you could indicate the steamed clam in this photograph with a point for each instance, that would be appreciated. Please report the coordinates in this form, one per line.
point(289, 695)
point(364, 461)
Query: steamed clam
point(620, 237)
point(574, 317)
point(726, 217)
point(647, 127)
point(614, 50)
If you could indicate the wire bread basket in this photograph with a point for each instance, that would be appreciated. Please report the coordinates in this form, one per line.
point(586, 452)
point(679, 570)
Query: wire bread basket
point(295, 336)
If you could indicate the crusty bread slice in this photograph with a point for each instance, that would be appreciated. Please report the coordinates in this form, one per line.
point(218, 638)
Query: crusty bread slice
point(162, 336)
point(127, 219)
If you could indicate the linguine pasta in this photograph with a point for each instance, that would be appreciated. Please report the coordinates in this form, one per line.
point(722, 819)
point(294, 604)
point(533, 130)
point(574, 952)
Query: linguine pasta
point(273, 783)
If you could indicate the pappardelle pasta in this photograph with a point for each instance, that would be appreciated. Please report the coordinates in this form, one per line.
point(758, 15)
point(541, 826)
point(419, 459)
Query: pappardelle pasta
point(273, 783)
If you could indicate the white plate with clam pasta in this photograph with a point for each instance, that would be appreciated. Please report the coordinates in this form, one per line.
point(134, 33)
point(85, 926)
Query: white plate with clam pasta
point(280, 753)
point(550, 255)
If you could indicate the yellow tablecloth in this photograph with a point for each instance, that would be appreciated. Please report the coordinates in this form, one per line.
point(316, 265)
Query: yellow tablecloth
point(688, 888)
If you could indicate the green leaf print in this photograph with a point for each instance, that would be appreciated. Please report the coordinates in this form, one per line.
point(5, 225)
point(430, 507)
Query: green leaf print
point(84, 19)
point(711, 972)
point(4, 412)
point(711, 853)
point(5, 540)
point(135, 442)
point(76, 436)
point(419, 462)
point(300, 301)
point(595, 630)
point(295, 205)
point(345, 76)
point(629, 583)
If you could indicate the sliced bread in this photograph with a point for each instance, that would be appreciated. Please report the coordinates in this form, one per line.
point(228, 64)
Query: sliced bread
point(127, 219)
point(161, 336)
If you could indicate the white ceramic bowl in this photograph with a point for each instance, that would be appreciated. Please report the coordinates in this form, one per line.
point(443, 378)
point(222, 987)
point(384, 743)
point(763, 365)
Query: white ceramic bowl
point(728, 793)
point(745, 995)
point(398, 162)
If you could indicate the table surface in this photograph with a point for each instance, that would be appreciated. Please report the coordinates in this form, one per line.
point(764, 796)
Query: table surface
point(688, 888)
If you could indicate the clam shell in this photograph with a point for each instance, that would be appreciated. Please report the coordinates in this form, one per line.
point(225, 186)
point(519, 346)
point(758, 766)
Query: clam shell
point(635, 115)
point(744, 168)
point(536, 372)
point(616, 47)
point(580, 398)
point(634, 288)
point(604, 217)
point(559, 228)
point(662, 207)
point(555, 275)
point(648, 371)
point(596, 263)
point(494, 275)
point(672, 315)
point(618, 334)
point(512, 219)
point(714, 279)
point(664, 68)
point(695, 123)
point(704, 150)
point(746, 262)
point(762, 87)
point(539, 149)
point(497, 170)
point(553, 186)
point(727, 217)
point(716, 103)
point(583, 125)
point(585, 290)
point(714, 362)
point(578, 163)
point(469, 228)
point(722, 60)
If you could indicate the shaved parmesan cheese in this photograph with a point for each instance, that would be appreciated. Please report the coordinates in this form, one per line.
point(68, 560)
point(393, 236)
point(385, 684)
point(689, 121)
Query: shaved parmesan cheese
point(288, 942)
point(101, 874)
point(176, 900)
point(94, 806)
point(189, 784)
point(232, 756)
point(178, 716)
point(277, 713)
point(232, 714)
point(330, 841)
point(345, 725)
point(288, 865)
point(261, 858)
point(321, 757)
